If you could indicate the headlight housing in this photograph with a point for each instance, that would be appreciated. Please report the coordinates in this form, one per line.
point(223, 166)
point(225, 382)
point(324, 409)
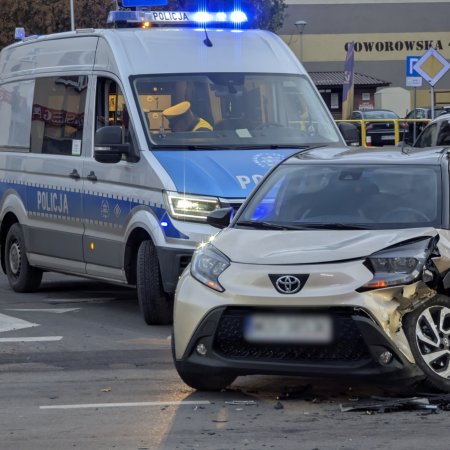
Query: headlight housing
point(207, 265)
point(401, 264)
point(191, 207)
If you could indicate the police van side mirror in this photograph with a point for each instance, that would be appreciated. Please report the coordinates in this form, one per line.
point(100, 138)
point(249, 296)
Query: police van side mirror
point(108, 146)
point(220, 218)
point(350, 133)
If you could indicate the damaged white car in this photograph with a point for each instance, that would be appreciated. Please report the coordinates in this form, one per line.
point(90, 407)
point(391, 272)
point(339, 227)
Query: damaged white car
point(338, 264)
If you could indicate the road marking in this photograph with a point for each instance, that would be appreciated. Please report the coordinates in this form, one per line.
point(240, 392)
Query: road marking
point(32, 339)
point(56, 301)
point(48, 310)
point(8, 323)
point(119, 405)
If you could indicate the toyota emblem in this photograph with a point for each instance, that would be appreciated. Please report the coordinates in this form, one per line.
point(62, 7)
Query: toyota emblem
point(288, 284)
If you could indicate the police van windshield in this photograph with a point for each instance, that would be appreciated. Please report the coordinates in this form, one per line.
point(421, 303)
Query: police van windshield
point(233, 110)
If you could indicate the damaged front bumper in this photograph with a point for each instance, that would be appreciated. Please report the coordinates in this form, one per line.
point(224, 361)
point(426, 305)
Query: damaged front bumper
point(359, 348)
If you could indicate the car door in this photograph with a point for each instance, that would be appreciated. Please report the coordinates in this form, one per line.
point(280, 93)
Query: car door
point(53, 171)
point(109, 189)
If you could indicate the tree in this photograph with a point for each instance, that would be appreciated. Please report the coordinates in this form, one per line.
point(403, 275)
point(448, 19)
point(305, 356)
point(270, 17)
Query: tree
point(52, 16)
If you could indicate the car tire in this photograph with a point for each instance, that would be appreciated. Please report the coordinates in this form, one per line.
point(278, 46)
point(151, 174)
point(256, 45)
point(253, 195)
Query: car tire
point(429, 338)
point(201, 381)
point(156, 306)
point(21, 276)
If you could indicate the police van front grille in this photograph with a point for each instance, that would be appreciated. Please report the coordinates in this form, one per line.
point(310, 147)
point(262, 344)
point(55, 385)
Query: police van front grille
point(347, 346)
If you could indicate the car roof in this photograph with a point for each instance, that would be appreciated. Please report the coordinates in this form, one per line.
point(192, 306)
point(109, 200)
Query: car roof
point(440, 118)
point(385, 155)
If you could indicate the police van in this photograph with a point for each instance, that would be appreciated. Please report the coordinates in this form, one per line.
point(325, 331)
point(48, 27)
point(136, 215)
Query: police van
point(115, 144)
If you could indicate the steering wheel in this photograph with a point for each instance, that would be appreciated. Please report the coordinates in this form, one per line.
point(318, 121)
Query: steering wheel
point(396, 213)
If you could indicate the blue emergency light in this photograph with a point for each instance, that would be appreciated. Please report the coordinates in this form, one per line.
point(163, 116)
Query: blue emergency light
point(140, 18)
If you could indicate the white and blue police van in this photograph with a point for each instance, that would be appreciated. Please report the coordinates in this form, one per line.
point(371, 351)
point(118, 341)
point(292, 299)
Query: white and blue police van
point(115, 144)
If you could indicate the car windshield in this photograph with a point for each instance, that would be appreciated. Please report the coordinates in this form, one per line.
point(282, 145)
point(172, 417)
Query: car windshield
point(379, 115)
point(346, 196)
point(233, 110)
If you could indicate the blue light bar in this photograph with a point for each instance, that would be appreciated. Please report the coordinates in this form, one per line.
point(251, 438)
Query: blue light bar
point(238, 17)
point(177, 17)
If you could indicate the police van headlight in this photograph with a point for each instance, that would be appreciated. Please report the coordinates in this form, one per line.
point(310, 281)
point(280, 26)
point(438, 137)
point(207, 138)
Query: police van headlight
point(191, 207)
point(207, 265)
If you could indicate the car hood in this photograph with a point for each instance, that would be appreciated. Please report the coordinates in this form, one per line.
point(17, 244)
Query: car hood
point(308, 247)
point(219, 173)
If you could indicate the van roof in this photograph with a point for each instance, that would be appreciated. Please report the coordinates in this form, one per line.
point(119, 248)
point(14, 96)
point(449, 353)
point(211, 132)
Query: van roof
point(156, 50)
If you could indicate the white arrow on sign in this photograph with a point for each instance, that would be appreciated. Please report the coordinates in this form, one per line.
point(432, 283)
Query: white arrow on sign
point(8, 323)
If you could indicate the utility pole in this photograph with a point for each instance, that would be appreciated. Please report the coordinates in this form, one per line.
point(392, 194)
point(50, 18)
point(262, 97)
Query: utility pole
point(72, 16)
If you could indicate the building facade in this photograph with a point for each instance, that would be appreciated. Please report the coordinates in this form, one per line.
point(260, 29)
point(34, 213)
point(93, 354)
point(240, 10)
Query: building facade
point(385, 32)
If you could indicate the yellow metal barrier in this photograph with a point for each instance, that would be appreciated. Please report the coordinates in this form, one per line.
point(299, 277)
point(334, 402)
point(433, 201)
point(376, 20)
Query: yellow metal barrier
point(363, 127)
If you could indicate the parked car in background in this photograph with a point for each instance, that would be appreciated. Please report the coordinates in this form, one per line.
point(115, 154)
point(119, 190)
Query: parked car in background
point(436, 133)
point(380, 133)
point(423, 113)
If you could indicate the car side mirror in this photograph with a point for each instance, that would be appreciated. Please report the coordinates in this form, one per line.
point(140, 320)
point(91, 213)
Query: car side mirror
point(108, 146)
point(220, 218)
point(350, 133)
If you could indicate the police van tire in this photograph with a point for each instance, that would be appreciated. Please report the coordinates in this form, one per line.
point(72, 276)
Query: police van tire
point(156, 306)
point(21, 276)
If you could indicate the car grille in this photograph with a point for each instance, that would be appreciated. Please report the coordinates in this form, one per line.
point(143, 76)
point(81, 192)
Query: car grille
point(347, 345)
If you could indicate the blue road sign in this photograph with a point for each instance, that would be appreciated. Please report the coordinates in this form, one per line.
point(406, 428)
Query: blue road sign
point(410, 62)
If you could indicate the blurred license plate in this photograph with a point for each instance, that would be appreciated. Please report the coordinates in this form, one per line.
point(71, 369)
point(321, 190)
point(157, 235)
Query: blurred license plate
point(314, 329)
point(387, 138)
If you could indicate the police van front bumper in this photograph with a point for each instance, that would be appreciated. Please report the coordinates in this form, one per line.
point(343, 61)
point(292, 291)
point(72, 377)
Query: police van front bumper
point(172, 262)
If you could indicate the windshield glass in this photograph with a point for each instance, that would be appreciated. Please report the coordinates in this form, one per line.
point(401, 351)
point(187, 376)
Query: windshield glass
point(380, 115)
point(233, 110)
point(346, 196)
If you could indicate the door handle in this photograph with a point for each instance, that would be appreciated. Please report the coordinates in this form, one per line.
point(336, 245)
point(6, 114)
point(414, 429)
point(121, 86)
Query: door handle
point(74, 174)
point(92, 176)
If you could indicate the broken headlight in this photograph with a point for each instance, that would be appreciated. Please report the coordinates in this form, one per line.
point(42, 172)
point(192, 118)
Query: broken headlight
point(401, 264)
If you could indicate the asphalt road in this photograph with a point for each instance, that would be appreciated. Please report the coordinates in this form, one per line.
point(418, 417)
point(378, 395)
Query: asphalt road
point(80, 369)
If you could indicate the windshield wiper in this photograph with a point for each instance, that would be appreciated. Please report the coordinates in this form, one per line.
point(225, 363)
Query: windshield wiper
point(261, 225)
point(337, 226)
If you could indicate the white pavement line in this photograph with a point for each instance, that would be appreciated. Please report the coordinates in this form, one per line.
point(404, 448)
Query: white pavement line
point(32, 339)
point(47, 310)
point(8, 323)
point(119, 405)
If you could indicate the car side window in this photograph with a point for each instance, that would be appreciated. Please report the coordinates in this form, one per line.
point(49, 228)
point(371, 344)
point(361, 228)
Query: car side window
point(428, 136)
point(443, 137)
point(57, 120)
point(111, 110)
point(15, 115)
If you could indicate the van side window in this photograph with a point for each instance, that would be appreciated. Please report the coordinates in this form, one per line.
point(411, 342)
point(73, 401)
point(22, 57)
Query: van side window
point(58, 115)
point(15, 115)
point(111, 109)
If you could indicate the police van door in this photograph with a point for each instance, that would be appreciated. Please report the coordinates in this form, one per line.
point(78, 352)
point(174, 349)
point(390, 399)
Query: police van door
point(54, 170)
point(107, 190)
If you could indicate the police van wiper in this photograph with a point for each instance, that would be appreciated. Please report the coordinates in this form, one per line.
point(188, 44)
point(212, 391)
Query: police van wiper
point(191, 147)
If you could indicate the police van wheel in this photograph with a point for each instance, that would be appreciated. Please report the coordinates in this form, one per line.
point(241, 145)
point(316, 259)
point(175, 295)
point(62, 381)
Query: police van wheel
point(21, 276)
point(156, 306)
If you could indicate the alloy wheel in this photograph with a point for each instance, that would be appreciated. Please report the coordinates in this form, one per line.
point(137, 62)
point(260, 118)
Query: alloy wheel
point(433, 339)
